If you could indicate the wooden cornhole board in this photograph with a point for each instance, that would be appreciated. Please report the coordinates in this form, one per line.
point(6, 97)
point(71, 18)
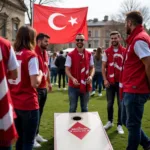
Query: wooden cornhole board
point(85, 134)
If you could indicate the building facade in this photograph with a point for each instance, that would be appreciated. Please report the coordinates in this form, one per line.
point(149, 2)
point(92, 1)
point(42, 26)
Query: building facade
point(12, 16)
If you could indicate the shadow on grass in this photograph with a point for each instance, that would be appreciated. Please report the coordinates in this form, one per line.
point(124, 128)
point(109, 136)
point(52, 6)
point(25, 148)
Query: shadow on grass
point(47, 145)
point(112, 135)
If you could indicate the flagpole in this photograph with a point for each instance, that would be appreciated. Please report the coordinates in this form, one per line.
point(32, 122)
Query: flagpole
point(32, 11)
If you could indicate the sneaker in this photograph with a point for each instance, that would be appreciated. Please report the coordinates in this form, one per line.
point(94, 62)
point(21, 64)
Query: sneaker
point(65, 89)
point(56, 83)
point(120, 130)
point(108, 125)
point(39, 138)
point(92, 93)
point(59, 89)
point(100, 94)
point(36, 144)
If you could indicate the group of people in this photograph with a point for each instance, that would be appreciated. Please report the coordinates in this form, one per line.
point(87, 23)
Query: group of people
point(27, 73)
point(125, 72)
point(57, 67)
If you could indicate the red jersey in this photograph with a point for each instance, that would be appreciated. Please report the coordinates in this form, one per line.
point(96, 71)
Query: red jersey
point(24, 96)
point(43, 65)
point(134, 77)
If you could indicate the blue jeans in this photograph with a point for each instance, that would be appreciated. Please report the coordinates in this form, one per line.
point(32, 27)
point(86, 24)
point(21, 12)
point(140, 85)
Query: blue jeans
point(97, 79)
point(53, 75)
point(5, 148)
point(132, 113)
point(26, 125)
point(74, 93)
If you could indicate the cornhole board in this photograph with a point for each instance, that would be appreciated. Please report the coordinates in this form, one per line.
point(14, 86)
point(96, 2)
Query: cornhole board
point(80, 131)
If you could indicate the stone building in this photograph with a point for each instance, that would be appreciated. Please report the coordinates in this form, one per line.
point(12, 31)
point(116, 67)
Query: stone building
point(12, 16)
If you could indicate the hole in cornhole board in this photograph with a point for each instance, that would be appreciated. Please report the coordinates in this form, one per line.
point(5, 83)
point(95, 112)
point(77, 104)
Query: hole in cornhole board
point(76, 118)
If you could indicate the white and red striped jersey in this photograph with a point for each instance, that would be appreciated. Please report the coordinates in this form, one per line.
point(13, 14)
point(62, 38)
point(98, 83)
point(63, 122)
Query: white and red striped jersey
point(7, 128)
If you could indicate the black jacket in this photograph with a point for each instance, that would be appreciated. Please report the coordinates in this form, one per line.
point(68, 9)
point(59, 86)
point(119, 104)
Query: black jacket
point(60, 62)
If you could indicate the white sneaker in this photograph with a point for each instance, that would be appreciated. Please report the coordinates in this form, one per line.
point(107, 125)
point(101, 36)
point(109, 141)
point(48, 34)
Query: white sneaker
point(59, 89)
point(120, 130)
point(108, 125)
point(36, 144)
point(56, 83)
point(92, 93)
point(65, 89)
point(100, 94)
point(39, 138)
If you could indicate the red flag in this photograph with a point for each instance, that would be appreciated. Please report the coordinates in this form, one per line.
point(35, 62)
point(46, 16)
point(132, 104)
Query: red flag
point(61, 24)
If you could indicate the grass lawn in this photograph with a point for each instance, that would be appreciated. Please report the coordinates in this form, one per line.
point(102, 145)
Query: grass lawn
point(57, 101)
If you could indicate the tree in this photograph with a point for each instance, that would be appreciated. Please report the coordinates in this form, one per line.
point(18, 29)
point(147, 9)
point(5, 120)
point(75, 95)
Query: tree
point(29, 5)
point(131, 5)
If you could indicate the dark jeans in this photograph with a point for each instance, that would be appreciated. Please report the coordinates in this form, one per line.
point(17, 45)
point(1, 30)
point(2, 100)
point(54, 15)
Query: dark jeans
point(110, 93)
point(61, 73)
point(5, 148)
point(53, 75)
point(132, 113)
point(26, 124)
point(74, 93)
point(97, 79)
point(42, 96)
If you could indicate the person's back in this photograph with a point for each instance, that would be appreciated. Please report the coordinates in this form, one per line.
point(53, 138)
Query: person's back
point(60, 62)
point(23, 94)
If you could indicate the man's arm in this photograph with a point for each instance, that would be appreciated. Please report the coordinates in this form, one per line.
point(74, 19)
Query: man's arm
point(49, 81)
point(106, 83)
point(146, 62)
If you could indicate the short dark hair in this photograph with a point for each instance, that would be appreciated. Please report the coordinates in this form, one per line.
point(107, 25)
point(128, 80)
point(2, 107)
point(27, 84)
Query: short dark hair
point(135, 17)
point(41, 36)
point(114, 33)
point(61, 52)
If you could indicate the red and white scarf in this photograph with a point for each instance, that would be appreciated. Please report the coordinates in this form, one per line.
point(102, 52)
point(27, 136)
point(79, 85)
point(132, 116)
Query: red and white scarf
point(114, 64)
point(7, 128)
point(85, 66)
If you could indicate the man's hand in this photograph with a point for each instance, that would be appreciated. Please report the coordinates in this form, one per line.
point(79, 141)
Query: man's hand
point(75, 82)
point(89, 80)
point(49, 87)
point(106, 83)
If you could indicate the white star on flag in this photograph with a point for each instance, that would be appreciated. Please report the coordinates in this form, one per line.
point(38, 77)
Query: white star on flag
point(73, 21)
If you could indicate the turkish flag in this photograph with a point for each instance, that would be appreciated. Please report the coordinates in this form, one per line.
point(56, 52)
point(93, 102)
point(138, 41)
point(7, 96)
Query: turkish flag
point(61, 24)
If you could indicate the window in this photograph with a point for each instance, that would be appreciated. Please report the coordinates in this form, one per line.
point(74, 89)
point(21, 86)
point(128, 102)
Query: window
point(96, 43)
point(89, 33)
point(3, 23)
point(15, 26)
point(70, 45)
point(14, 31)
point(96, 33)
point(3, 27)
point(106, 44)
point(107, 34)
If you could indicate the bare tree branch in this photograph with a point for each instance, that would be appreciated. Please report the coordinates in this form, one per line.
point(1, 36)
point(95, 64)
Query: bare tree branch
point(29, 5)
point(131, 5)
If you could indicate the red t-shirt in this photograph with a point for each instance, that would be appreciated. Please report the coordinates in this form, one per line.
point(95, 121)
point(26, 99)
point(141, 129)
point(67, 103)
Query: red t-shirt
point(24, 96)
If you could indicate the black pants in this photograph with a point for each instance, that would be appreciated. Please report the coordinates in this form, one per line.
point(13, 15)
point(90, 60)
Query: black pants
point(110, 92)
point(61, 73)
point(42, 96)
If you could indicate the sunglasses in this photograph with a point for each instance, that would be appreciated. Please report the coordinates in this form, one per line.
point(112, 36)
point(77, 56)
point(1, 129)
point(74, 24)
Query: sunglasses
point(79, 40)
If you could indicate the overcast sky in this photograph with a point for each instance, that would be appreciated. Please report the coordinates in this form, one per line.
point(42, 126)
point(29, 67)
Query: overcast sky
point(97, 8)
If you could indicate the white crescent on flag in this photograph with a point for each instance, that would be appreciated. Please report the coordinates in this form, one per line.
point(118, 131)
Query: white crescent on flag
point(51, 21)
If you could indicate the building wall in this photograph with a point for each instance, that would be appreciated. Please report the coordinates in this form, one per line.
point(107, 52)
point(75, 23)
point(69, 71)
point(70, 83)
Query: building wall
point(15, 18)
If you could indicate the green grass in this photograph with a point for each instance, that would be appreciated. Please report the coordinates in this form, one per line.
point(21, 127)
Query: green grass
point(57, 101)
